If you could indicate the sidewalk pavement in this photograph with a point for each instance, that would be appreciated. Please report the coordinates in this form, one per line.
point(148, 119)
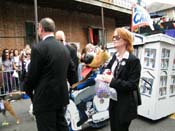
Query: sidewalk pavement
point(21, 107)
point(27, 123)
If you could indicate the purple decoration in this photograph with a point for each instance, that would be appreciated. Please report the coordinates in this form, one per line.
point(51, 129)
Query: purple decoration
point(102, 89)
point(170, 32)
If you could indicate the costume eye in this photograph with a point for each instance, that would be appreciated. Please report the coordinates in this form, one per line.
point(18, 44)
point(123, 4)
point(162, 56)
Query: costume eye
point(90, 50)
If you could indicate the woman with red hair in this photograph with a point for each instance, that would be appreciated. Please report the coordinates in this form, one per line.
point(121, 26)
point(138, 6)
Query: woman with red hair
point(123, 80)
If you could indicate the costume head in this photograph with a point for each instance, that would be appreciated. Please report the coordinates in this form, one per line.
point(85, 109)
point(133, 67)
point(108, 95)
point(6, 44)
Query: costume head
point(95, 56)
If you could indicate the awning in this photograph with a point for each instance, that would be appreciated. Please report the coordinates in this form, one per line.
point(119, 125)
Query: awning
point(156, 14)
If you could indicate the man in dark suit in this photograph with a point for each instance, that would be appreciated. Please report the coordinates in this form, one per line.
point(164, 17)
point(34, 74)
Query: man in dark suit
point(60, 36)
point(47, 79)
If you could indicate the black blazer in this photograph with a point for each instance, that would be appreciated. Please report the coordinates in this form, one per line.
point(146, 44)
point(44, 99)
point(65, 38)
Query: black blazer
point(126, 83)
point(74, 57)
point(47, 77)
point(73, 67)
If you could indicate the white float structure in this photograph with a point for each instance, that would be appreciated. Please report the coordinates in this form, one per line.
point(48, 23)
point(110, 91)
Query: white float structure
point(157, 84)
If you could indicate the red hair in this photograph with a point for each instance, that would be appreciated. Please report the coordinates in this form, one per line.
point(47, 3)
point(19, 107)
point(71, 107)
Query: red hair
point(127, 36)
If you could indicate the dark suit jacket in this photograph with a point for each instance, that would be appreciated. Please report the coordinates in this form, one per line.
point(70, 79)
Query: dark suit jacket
point(126, 83)
point(47, 75)
point(73, 53)
point(73, 67)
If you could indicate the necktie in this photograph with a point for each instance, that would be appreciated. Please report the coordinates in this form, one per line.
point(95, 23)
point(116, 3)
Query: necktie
point(117, 68)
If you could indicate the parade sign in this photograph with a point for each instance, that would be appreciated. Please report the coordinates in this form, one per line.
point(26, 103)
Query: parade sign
point(140, 17)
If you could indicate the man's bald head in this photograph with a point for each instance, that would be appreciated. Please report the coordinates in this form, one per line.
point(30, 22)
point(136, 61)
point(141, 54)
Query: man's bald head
point(59, 35)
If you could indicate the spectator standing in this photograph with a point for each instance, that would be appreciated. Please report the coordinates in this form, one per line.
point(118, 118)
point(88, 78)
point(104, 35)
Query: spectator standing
point(11, 54)
point(6, 61)
point(75, 52)
point(27, 60)
point(17, 68)
point(23, 70)
point(7, 68)
point(27, 48)
point(73, 67)
point(16, 60)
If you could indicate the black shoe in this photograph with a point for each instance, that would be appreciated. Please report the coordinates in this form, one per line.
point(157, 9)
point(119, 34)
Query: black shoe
point(82, 120)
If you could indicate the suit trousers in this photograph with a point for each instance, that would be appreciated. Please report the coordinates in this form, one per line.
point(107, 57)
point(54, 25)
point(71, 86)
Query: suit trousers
point(51, 121)
point(115, 123)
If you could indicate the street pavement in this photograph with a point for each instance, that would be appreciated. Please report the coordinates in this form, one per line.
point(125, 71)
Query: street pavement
point(28, 123)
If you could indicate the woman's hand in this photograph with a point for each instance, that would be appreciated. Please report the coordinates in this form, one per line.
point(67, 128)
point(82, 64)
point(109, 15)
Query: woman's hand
point(107, 71)
point(107, 78)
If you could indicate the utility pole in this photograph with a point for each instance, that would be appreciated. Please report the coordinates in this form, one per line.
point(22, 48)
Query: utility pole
point(36, 20)
point(103, 28)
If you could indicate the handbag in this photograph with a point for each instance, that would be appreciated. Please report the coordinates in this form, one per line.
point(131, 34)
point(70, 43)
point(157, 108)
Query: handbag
point(137, 97)
point(103, 90)
point(15, 74)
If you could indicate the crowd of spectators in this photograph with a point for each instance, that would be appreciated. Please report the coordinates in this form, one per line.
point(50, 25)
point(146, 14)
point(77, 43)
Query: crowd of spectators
point(14, 66)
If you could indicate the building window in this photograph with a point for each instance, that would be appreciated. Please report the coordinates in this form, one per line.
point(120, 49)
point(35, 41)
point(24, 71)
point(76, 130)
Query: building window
point(95, 36)
point(30, 32)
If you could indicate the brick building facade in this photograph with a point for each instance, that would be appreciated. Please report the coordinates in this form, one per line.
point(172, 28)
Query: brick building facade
point(17, 24)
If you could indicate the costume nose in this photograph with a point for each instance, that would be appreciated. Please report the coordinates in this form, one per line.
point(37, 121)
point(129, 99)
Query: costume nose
point(88, 58)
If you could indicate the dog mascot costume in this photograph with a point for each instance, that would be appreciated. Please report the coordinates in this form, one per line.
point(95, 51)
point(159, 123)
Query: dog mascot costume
point(94, 59)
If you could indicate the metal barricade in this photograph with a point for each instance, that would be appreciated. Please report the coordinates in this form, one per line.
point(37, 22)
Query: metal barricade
point(9, 82)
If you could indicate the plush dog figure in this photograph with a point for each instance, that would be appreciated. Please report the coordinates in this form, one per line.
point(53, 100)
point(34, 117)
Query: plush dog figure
point(99, 56)
point(94, 57)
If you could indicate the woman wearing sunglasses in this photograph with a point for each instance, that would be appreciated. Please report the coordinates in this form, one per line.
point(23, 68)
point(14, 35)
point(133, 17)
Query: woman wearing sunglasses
point(123, 81)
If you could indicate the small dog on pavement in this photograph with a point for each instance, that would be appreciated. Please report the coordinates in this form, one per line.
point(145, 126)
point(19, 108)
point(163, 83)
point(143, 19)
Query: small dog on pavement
point(8, 107)
point(5, 105)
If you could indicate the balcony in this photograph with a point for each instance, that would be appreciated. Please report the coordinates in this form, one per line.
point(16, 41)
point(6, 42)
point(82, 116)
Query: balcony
point(116, 5)
point(122, 3)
